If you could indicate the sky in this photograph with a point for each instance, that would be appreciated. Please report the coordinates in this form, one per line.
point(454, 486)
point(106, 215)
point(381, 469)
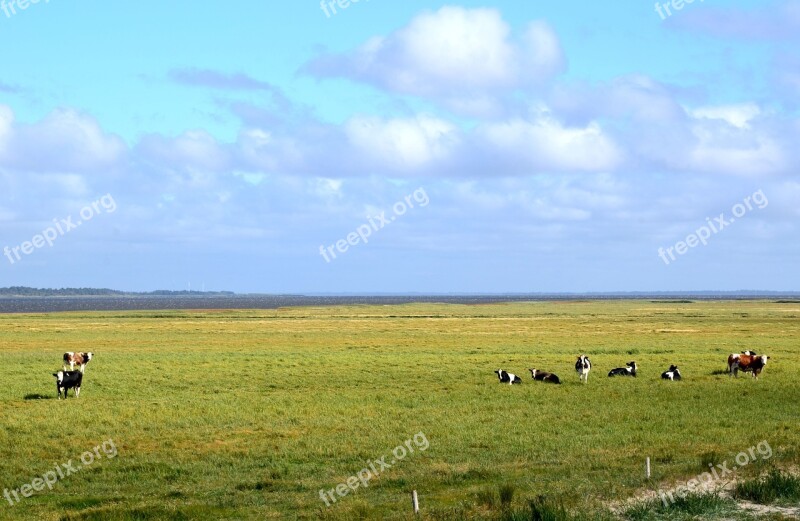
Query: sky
point(396, 147)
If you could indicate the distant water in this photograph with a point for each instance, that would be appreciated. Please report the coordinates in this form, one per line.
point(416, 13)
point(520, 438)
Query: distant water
point(51, 304)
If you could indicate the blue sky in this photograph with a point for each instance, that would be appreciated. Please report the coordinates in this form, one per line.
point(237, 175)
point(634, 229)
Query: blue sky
point(476, 146)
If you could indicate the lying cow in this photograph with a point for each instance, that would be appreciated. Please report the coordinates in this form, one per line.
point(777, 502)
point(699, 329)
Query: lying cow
point(76, 358)
point(583, 366)
point(542, 376)
point(746, 363)
point(66, 380)
point(672, 373)
point(624, 371)
point(508, 378)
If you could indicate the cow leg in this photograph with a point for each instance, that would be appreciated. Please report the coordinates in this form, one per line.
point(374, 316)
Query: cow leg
point(77, 392)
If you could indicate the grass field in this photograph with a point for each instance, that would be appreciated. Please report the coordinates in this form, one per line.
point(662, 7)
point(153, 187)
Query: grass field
point(249, 414)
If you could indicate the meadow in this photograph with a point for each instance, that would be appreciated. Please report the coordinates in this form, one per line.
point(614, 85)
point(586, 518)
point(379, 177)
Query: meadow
point(240, 414)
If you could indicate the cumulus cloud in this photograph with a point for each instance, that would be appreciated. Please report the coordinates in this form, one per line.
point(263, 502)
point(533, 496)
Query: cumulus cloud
point(659, 133)
point(728, 148)
point(403, 144)
point(451, 53)
point(195, 150)
point(545, 144)
point(64, 141)
point(735, 115)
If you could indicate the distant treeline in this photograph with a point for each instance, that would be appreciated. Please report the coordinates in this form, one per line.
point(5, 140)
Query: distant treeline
point(21, 291)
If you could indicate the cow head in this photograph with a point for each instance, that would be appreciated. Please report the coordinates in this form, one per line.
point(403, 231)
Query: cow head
point(59, 377)
point(533, 372)
point(87, 357)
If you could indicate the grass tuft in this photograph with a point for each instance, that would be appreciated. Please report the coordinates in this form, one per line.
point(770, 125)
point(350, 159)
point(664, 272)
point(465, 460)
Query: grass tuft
point(506, 493)
point(775, 486)
point(487, 498)
point(705, 505)
point(708, 459)
point(546, 509)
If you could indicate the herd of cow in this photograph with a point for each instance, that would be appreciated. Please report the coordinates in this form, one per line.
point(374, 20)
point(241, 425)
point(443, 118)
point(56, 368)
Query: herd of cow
point(72, 379)
point(747, 361)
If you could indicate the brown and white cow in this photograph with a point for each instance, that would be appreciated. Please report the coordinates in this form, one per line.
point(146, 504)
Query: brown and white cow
point(76, 358)
point(747, 363)
point(544, 376)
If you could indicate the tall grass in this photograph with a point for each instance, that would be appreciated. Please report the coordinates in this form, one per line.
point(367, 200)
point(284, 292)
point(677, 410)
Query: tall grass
point(694, 505)
point(775, 486)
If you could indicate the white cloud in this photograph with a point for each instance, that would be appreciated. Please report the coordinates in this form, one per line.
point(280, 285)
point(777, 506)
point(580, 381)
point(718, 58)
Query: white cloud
point(545, 144)
point(64, 141)
point(736, 115)
point(758, 156)
point(403, 144)
point(541, 56)
point(193, 150)
point(451, 53)
point(6, 120)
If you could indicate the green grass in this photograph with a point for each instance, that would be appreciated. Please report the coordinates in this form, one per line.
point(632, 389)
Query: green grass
point(775, 486)
point(249, 414)
point(694, 505)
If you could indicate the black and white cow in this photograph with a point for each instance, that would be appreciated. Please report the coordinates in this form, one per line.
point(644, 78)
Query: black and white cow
point(81, 359)
point(624, 371)
point(543, 376)
point(672, 373)
point(66, 380)
point(583, 366)
point(508, 378)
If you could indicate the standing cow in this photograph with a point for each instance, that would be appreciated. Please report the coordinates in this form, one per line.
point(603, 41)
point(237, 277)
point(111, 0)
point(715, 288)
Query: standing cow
point(66, 380)
point(747, 363)
point(81, 359)
point(583, 366)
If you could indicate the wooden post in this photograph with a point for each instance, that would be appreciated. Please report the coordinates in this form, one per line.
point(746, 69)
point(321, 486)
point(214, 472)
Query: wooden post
point(647, 468)
point(415, 502)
